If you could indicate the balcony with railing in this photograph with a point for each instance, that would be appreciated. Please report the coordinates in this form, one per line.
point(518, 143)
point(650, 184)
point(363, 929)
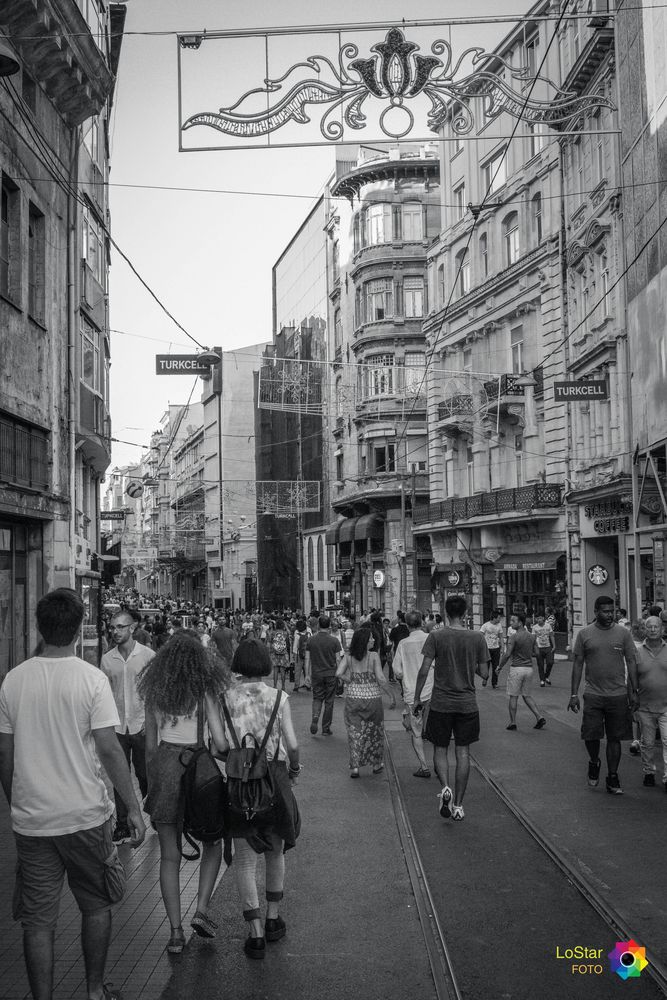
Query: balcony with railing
point(501, 504)
point(456, 413)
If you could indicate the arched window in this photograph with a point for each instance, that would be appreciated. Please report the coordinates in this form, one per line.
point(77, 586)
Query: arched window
point(310, 559)
point(536, 205)
point(511, 238)
point(441, 284)
point(484, 254)
point(320, 558)
point(462, 272)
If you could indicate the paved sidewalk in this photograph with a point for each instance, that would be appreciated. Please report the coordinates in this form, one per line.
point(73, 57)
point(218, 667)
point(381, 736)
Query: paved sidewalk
point(353, 925)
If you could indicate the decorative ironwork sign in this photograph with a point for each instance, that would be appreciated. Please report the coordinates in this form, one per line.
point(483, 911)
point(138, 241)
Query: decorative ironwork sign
point(290, 385)
point(388, 89)
point(287, 498)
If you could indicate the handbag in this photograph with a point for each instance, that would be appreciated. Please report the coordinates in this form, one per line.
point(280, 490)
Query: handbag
point(250, 788)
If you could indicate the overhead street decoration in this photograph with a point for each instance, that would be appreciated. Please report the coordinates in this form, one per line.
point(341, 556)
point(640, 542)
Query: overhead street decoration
point(576, 392)
point(288, 498)
point(381, 89)
point(180, 364)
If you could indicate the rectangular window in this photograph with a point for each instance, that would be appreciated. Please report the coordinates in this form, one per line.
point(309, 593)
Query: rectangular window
point(598, 149)
point(484, 254)
point(530, 56)
point(604, 287)
point(10, 242)
point(412, 220)
point(516, 347)
point(335, 263)
point(384, 458)
point(340, 472)
point(518, 458)
point(459, 202)
point(90, 354)
point(464, 273)
point(24, 453)
point(413, 297)
point(379, 300)
point(536, 141)
point(441, 284)
point(379, 375)
point(512, 248)
point(338, 332)
point(470, 471)
point(93, 246)
point(456, 145)
point(36, 263)
point(537, 217)
point(494, 173)
point(378, 224)
point(415, 368)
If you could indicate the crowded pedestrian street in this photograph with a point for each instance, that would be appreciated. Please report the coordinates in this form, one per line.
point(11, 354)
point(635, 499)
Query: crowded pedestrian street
point(386, 898)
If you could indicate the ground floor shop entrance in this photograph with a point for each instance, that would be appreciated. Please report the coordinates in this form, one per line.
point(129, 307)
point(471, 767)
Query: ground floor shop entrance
point(21, 586)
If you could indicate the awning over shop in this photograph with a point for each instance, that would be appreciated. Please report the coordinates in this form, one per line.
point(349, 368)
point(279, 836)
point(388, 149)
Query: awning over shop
point(533, 561)
point(346, 531)
point(369, 526)
point(331, 533)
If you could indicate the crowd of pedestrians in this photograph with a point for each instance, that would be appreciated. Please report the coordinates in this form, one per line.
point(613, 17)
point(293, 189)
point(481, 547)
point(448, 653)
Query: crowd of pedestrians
point(169, 671)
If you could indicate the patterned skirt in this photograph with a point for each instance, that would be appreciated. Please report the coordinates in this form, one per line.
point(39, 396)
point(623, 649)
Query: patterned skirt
point(364, 720)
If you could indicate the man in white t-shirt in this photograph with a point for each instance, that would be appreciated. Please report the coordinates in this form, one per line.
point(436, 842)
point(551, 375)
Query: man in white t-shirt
point(493, 633)
point(407, 661)
point(545, 647)
point(57, 722)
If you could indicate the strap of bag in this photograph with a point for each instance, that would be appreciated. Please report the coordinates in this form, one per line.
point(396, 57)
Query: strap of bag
point(272, 719)
point(230, 725)
point(200, 723)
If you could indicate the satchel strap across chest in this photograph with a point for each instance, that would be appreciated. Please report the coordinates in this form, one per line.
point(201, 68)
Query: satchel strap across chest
point(272, 719)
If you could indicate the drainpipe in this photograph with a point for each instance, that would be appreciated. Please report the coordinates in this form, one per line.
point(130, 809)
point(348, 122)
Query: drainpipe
point(72, 380)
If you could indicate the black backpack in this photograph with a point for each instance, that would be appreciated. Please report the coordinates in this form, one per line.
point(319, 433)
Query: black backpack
point(250, 789)
point(203, 788)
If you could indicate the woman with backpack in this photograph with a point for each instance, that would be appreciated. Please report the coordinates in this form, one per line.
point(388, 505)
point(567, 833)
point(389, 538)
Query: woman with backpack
point(181, 676)
point(279, 650)
point(252, 708)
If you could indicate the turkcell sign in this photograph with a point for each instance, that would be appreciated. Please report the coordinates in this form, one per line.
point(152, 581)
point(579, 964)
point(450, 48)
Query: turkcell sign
point(577, 391)
point(180, 364)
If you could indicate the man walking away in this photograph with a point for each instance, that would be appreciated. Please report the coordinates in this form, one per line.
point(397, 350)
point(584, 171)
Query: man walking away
point(459, 654)
point(520, 652)
point(652, 713)
point(407, 661)
point(122, 665)
point(493, 633)
point(57, 719)
point(225, 641)
point(545, 648)
point(323, 652)
point(605, 649)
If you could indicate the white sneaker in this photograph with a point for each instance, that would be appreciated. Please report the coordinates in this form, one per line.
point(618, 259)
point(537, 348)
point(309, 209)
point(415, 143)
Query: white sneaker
point(457, 812)
point(445, 797)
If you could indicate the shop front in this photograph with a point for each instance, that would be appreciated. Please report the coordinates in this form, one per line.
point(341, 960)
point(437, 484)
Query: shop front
point(534, 583)
point(22, 581)
point(605, 533)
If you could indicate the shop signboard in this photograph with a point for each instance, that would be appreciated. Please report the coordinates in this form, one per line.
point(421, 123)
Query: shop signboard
point(113, 515)
point(577, 392)
point(180, 364)
point(611, 516)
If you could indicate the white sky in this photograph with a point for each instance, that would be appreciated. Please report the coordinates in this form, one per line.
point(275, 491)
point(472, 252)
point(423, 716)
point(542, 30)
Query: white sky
point(208, 257)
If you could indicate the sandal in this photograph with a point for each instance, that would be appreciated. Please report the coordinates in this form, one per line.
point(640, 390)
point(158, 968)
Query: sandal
point(203, 925)
point(176, 942)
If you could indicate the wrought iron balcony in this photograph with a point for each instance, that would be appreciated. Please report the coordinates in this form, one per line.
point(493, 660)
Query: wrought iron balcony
point(456, 413)
point(539, 496)
point(506, 385)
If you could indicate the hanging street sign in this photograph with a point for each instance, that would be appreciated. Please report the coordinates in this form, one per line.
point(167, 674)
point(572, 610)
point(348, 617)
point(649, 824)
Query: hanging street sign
point(180, 364)
point(359, 79)
point(576, 392)
point(113, 515)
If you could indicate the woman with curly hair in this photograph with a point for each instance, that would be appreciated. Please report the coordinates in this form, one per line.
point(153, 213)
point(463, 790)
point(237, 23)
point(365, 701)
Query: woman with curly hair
point(361, 671)
point(181, 676)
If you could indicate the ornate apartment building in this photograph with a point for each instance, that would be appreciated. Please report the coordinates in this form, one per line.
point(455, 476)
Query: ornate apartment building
point(498, 454)
point(58, 63)
point(384, 211)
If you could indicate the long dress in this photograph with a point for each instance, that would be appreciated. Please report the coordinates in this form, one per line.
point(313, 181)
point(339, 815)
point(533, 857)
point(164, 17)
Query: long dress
point(364, 715)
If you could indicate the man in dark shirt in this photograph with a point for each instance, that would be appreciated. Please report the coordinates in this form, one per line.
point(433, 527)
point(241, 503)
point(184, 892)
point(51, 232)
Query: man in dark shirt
point(225, 640)
point(521, 648)
point(610, 691)
point(323, 652)
point(459, 654)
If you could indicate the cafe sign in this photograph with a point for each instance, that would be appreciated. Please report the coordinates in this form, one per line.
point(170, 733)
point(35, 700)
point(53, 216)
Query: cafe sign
point(611, 516)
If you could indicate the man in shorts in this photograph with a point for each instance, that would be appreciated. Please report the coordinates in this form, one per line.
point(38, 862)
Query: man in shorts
point(652, 691)
point(57, 723)
point(520, 652)
point(407, 661)
point(493, 633)
point(459, 654)
point(610, 692)
point(545, 649)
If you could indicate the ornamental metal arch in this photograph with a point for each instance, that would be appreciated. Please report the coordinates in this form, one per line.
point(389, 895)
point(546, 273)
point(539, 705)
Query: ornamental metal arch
point(395, 81)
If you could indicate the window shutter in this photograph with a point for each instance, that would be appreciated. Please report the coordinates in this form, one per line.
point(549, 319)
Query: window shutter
point(398, 229)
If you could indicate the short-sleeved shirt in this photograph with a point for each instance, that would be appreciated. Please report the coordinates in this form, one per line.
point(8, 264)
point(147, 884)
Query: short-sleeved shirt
point(605, 651)
point(407, 661)
point(51, 706)
point(493, 633)
point(324, 651)
point(523, 643)
point(399, 632)
point(122, 674)
point(250, 704)
point(457, 654)
point(542, 633)
point(652, 677)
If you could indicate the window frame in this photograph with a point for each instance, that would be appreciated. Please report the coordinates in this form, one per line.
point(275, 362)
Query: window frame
point(95, 345)
point(511, 239)
point(414, 297)
point(459, 194)
point(494, 178)
point(373, 294)
point(36, 271)
point(378, 376)
point(411, 210)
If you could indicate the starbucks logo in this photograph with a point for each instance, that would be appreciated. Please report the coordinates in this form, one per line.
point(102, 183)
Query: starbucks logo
point(598, 575)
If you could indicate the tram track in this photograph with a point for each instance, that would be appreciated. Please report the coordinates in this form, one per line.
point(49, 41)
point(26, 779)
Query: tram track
point(441, 951)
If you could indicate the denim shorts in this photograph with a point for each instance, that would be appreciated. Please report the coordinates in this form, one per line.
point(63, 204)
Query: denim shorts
point(42, 863)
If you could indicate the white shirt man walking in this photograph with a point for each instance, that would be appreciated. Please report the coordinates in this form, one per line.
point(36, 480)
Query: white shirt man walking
point(122, 665)
point(57, 719)
point(495, 640)
point(407, 662)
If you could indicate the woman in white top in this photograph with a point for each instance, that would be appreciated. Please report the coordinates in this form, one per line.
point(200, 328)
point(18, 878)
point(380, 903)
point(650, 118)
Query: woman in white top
point(179, 676)
point(250, 704)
